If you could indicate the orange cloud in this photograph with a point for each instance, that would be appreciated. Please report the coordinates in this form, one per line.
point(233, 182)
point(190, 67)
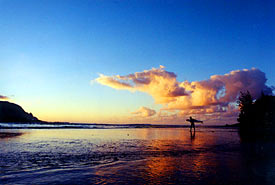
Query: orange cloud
point(220, 90)
point(157, 82)
point(211, 96)
point(113, 82)
point(144, 112)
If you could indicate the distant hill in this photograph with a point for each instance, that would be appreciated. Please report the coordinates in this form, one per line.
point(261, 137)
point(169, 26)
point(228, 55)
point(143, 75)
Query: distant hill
point(10, 112)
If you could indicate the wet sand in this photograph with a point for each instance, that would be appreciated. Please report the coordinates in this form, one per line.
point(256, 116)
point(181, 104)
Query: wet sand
point(133, 156)
point(8, 135)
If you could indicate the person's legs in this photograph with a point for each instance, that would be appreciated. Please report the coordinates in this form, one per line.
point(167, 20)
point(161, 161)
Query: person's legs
point(192, 126)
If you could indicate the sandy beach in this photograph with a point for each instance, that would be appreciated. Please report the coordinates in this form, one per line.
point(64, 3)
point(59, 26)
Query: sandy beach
point(7, 135)
point(130, 156)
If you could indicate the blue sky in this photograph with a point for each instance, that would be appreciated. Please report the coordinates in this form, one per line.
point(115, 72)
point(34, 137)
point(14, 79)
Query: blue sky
point(51, 50)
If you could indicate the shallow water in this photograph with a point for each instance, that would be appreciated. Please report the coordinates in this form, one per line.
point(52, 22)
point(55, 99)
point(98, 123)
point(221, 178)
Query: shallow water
point(133, 156)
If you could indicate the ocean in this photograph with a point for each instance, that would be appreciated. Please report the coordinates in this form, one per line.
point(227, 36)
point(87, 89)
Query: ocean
point(131, 154)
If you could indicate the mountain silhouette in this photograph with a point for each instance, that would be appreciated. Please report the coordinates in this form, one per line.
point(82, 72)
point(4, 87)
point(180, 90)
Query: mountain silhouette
point(11, 112)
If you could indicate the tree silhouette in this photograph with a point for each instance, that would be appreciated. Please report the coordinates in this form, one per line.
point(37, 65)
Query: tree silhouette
point(257, 117)
point(245, 103)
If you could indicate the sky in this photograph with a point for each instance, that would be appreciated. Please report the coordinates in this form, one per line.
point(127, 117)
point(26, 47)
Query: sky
point(135, 61)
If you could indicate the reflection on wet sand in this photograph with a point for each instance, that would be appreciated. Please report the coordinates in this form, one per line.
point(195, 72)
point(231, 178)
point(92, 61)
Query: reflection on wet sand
point(177, 157)
point(160, 168)
point(192, 163)
point(193, 135)
point(133, 156)
point(260, 162)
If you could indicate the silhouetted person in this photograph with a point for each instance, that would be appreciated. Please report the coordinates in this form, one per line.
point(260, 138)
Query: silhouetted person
point(193, 121)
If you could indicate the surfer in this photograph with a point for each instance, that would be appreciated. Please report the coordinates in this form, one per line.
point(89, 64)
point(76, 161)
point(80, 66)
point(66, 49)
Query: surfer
point(193, 121)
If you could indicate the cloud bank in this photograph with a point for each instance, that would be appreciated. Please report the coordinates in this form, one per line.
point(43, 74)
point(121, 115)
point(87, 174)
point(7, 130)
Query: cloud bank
point(214, 96)
point(220, 90)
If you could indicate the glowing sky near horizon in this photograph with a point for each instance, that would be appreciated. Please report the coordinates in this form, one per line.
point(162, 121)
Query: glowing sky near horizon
point(52, 54)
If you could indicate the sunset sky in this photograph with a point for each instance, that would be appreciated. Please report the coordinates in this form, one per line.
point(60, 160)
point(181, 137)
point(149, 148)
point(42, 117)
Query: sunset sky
point(98, 61)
